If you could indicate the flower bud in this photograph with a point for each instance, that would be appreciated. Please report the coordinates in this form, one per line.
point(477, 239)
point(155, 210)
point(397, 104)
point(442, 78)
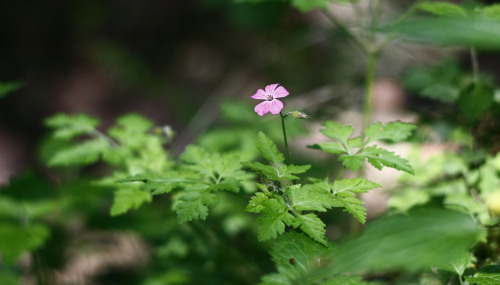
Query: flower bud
point(299, 115)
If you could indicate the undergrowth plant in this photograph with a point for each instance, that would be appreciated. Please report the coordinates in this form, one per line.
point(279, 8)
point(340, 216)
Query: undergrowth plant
point(236, 207)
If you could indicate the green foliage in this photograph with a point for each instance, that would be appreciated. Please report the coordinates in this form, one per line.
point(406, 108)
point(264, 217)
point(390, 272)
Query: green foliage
point(69, 126)
point(487, 275)
point(9, 87)
point(355, 151)
point(298, 260)
point(474, 101)
point(442, 8)
point(478, 32)
point(128, 198)
point(441, 81)
point(17, 239)
point(431, 237)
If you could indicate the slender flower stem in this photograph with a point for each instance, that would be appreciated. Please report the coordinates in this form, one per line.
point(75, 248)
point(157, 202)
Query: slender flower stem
point(288, 159)
point(475, 65)
point(369, 82)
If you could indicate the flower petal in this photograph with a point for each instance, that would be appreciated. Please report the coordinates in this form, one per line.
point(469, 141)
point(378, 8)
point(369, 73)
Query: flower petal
point(260, 94)
point(275, 106)
point(263, 107)
point(270, 88)
point(280, 92)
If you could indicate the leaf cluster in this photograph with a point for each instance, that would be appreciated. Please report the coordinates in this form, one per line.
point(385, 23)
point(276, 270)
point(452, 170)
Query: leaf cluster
point(281, 204)
point(354, 152)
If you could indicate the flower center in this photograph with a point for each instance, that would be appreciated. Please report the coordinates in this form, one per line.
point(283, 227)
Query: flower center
point(269, 97)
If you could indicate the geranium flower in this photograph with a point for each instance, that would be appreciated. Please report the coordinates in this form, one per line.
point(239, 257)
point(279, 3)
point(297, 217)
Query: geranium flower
point(271, 104)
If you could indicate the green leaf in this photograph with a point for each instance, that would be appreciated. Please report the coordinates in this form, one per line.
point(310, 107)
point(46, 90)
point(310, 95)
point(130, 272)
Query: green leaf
point(474, 101)
point(256, 204)
point(273, 219)
point(298, 260)
point(157, 184)
point(488, 275)
point(330, 147)
point(273, 224)
point(193, 204)
point(492, 12)
point(336, 131)
point(16, 240)
point(310, 197)
point(308, 5)
point(313, 227)
point(351, 204)
point(379, 158)
point(393, 131)
point(478, 32)
point(266, 170)
point(287, 171)
point(269, 150)
point(84, 153)
point(127, 199)
point(356, 185)
point(443, 92)
point(419, 240)
point(134, 123)
point(8, 87)
point(442, 8)
point(69, 126)
point(353, 162)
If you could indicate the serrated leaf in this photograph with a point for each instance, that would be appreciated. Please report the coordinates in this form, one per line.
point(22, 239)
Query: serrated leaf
point(266, 170)
point(379, 158)
point(356, 185)
point(231, 185)
point(128, 198)
point(488, 275)
point(336, 131)
point(69, 126)
point(393, 131)
point(310, 197)
point(352, 205)
point(85, 153)
point(298, 260)
point(273, 219)
point(269, 150)
point(442, 8)
point(313, 227)
point(353, 162)
point(355, 142)
point(16, 240)
point(256, 203)
point(272, 224)
point(330, 147)
point(419, 240)
point(193, 204)
point(287, 171)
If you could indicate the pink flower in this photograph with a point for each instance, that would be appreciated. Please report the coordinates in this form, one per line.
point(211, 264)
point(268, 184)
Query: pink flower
point(271, 104)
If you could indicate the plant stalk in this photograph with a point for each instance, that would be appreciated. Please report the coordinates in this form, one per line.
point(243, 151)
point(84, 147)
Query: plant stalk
point(369, 82)
point(288, 159)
